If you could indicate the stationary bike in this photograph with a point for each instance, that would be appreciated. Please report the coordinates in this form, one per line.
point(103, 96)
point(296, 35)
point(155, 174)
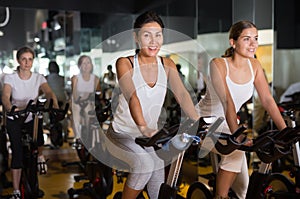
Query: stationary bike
point(269, 146)
point(170, 144)
point(98, 175)
point(29, 185)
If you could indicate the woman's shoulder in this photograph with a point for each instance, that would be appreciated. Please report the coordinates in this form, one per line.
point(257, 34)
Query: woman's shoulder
point(14, 73)
point(255, 63)
point(166, 61)
point(39, 77)
point(124, 61)
point(74, 77)
point(9, 76)
point(37, 74)
point(127, 58)
point(95, 77)
point(218, 60)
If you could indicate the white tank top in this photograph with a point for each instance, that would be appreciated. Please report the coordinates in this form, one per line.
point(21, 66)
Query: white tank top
point(240, 93)
point(210, 105)
point(151, 100)
point(85, 88)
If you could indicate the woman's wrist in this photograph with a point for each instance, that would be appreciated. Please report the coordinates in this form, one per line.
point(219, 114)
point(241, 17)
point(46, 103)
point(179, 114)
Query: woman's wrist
point(9, 109)
point(146, 131)
point(142, 128)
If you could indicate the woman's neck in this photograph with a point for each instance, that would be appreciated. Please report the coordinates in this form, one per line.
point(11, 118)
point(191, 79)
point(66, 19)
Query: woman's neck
point(86, 76)
point(24, 75)
point(237, 61)
point(146, 60)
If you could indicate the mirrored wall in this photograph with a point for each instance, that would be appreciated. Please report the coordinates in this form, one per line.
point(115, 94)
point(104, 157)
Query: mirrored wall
point(63, 35)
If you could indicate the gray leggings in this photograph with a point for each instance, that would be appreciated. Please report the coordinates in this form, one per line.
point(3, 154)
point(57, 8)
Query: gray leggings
point(146, 168)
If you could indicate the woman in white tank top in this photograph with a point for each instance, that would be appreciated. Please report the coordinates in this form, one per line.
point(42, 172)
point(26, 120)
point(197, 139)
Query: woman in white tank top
point(84, 86)
point(143, 83)
point(232, 81)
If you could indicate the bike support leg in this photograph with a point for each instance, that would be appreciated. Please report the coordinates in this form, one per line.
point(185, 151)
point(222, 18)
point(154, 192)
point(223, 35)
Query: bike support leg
point(168, 190)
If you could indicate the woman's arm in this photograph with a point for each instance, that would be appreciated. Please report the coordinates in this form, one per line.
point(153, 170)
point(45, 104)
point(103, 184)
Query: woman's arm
point(6, 94)
point(181, 94)
point(218, 80)
point(74, 81)
point(98, 90)
point(49, 94)
point(266, 97)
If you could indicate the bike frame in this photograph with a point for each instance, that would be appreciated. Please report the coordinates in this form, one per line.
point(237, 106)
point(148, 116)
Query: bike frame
point(168, 190)
point(29, 179)
point(258, 183)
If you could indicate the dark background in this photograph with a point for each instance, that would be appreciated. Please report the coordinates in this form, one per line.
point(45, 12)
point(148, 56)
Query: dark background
point(213, 16)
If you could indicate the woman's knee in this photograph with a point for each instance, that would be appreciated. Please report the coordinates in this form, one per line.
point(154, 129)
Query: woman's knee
point(143, 164)
point(138, 181)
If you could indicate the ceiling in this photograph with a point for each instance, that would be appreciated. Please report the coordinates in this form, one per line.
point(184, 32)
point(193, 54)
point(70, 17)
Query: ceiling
point(213, 15)
point(91, 6)
point(212, 18)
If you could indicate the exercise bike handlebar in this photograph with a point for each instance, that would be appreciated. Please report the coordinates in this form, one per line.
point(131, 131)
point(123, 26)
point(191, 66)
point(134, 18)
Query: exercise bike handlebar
point(232, 143)
point(186, 131)
point(268, 146)
point(58, 114)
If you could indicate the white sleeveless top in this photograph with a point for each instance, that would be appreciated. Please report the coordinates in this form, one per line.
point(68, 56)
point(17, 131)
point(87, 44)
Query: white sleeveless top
point(240, 93)
point(210, 105)
point(151, 100)
point(85, 88)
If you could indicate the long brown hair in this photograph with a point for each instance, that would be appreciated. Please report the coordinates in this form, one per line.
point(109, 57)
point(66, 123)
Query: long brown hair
point(234, 33)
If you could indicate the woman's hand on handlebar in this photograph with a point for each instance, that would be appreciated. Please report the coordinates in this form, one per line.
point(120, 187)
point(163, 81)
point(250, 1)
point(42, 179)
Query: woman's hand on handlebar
point(146, 131)
point(243, 138)
point(15, 109)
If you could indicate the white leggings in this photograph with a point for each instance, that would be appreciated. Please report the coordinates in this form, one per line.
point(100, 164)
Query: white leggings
point(237, 162)
point(234, 162)
point(146, 168)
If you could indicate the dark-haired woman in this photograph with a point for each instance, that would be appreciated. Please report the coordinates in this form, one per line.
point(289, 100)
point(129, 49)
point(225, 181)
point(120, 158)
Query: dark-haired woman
point(143, 83)
point(233, 78)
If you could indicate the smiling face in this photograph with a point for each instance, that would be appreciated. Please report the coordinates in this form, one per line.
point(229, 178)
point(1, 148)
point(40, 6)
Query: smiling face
point(247, 42)
point(86, 65)
point(149, 38)
point(25, 61)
